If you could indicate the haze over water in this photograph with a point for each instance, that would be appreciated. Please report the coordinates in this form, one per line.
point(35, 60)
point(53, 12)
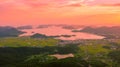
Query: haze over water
point(55, 31)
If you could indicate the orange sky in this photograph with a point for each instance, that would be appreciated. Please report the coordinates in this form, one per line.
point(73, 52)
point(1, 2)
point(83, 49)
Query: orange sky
point(84, 12)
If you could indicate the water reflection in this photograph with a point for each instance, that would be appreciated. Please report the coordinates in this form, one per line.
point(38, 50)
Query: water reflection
point(57, 31)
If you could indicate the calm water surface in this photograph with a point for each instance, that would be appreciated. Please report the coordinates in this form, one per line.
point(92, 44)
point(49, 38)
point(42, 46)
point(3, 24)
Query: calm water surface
point(54, 31)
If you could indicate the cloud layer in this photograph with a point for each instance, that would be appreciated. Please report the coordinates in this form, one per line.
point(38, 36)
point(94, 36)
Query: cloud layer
point(21, 12)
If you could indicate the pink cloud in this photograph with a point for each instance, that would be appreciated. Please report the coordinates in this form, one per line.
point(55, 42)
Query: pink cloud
point(74, 5)
point(98, 2)
point(22, 2)
point(118, 4)
point(39, 11)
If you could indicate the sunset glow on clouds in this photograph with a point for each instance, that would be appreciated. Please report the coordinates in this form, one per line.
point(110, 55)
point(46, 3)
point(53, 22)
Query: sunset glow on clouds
point(89, 12)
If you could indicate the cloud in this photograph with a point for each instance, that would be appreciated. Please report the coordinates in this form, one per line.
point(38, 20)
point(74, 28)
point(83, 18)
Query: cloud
point(74, 5)
point(35, 12)
point(42, 3)
point(118, 4)
point(77, 3)
point(26, 2)
point(11, 4)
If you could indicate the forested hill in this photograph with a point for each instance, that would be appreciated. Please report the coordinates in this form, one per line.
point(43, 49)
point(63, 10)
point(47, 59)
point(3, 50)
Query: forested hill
point(8, 31)
point(108, 32)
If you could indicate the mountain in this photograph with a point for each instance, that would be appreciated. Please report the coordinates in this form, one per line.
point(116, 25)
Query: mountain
point(44, 26)
point(24, 27)
point(72, 26)
point(8, 31)
point(108, 32)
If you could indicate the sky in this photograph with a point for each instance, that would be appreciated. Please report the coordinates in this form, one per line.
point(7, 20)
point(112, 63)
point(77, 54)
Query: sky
point(79, 12)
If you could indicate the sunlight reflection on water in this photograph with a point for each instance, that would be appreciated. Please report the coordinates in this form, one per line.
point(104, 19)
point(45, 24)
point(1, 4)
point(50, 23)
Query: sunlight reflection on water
point(54, 31)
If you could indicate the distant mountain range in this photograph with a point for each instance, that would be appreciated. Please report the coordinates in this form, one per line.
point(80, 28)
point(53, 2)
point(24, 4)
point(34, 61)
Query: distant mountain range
point(24, 27)
point(108, 32)
point(64, 26)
